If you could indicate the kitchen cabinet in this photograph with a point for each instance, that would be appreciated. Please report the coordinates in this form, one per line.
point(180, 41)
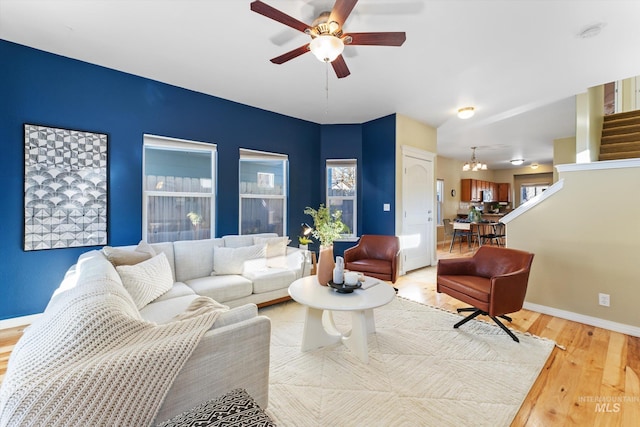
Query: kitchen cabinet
point(465, 190)
point(494, 192)
point(471, 190)
point(504, 192)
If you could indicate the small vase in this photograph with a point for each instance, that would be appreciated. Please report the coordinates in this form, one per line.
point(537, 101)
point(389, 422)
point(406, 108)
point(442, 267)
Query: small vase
point(325, 265)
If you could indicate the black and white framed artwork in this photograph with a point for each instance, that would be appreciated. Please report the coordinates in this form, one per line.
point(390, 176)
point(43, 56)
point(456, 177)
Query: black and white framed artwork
point(65, 188)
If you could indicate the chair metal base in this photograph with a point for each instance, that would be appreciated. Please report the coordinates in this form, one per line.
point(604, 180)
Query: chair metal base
point(478, 312)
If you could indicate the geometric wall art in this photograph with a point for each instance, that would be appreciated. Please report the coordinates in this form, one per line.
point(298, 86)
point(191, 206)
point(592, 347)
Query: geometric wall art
point(65, 188)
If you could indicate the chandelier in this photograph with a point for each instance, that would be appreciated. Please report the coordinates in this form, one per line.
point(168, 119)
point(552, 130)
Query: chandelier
point(474, 165)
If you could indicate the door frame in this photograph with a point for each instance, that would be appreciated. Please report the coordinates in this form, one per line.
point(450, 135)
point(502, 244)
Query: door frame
point(409, 151)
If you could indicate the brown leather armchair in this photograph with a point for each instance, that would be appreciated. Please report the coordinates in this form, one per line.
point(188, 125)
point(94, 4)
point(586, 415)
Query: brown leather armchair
point(376, 256)
point(494, 281)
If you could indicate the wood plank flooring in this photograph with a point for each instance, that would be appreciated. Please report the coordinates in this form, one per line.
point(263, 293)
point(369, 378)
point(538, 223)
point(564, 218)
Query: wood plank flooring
point(594, 382)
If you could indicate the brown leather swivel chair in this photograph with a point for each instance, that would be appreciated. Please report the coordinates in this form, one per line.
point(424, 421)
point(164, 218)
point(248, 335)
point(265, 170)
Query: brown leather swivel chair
point(494, 281)
point(376, 256)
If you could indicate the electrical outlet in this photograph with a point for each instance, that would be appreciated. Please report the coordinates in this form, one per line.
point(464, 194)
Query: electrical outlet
point(603, 299)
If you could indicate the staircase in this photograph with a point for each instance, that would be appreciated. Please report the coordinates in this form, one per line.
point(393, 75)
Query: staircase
point(621, 136)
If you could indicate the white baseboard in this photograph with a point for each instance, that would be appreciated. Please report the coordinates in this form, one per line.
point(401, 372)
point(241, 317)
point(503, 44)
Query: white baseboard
point(587, 320)
point(15, 322)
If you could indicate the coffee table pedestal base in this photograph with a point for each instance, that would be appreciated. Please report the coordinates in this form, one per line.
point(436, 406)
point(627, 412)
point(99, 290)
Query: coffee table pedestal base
point(320, 330)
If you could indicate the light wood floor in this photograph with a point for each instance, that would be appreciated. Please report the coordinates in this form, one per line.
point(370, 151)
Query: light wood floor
point(594, 382)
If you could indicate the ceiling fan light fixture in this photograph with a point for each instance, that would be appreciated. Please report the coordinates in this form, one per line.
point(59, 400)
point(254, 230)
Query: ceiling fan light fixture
point(466, 112)
point(326, 47)
point(517, 162)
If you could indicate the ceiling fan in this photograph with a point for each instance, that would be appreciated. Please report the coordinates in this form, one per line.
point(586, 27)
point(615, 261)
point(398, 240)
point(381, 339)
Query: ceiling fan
point(327, 35)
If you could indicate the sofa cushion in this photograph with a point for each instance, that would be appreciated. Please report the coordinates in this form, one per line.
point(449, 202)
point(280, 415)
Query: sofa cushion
point(167, 248)
point(270, 279)
point(122, 256)
point(237, 241)
point(178, 289)
point(222, 288)
point(232, 260)
point(93, 265)
point(162, 311)
point(194, 258)
point(276, 246)
point(147, 280)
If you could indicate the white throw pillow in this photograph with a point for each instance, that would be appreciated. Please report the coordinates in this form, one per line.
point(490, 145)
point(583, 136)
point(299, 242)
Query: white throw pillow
point(232, 260)
point(147, 280)
point(119, 256)
point(276, 246)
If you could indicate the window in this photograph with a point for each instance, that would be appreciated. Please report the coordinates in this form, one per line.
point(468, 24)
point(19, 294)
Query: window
point(178, 190)
point(529, 191)
point(342, 192)
point(440, 198)
point(263, 192)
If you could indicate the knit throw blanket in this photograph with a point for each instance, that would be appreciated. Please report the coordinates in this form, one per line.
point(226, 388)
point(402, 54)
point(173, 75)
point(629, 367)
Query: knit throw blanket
point(91, 360)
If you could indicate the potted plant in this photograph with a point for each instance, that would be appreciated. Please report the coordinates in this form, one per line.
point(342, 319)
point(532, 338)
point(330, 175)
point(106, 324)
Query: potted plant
point(328, 227)
point(304, 242)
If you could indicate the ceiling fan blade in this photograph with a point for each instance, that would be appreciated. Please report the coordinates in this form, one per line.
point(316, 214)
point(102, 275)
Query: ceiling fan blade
point(273, 13)
point(291, 54)
point(378, 39)
point(341, 10)
point(340, 67)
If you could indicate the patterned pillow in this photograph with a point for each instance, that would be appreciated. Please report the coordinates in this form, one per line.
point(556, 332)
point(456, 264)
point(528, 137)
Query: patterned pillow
point(232, 260)
point(276, 246)
point(119, 256)
point(234, 409)
point(147, 280)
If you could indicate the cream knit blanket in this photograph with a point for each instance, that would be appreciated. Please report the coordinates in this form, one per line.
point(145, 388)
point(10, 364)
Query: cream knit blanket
point(91, 360)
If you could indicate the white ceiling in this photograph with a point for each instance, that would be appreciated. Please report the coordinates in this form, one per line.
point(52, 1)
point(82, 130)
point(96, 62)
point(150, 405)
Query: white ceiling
point(519, 62)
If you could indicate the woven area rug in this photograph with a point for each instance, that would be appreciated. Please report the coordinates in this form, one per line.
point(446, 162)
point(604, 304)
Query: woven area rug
point(421, 371)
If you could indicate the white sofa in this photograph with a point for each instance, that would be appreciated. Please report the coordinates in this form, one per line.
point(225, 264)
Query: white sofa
point(234, 353)
point(192, 263)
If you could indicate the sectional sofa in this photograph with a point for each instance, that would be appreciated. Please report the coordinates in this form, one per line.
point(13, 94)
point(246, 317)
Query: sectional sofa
point(157, 288)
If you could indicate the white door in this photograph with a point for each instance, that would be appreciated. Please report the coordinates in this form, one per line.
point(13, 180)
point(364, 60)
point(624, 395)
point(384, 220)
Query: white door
point(418, 211)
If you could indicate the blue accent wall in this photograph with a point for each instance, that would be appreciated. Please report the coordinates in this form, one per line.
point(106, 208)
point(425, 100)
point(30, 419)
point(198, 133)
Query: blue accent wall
point(37, 87)
point(379, 175)
point(341, 142)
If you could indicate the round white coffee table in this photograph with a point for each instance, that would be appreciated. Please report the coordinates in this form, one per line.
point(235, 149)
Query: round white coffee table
point(320, 301)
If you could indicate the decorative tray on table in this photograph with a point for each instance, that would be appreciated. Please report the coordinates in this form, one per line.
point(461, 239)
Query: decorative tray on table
point(344, 288)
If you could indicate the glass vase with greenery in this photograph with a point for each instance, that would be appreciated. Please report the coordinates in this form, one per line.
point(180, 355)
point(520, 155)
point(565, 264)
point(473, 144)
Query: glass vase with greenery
point(328, 226)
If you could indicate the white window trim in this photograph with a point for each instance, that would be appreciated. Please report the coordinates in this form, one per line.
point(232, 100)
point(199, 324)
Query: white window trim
point(178, 144)
point(353, 236)
point(248, 154)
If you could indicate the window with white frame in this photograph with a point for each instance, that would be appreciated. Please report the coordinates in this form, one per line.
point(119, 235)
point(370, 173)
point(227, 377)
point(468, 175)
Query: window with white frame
point(529, 191)
point(178, 189)
point(440, 196)
point(342, 193)
point(264, 186)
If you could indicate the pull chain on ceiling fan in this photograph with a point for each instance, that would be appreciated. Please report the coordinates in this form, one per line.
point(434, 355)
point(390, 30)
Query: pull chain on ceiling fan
point(327, 36)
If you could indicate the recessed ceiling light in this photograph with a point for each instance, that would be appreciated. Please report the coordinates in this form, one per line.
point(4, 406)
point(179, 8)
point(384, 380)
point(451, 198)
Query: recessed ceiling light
point(466, 112)
point(517, 162)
